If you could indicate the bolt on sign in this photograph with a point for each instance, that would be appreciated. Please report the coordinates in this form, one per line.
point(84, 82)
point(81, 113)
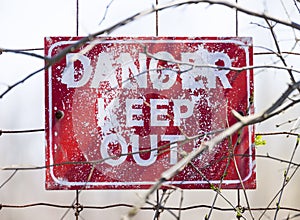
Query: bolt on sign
point(120, 111)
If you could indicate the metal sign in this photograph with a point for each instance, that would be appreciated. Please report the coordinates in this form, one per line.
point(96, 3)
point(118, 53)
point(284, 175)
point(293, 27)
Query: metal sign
point(120, 111)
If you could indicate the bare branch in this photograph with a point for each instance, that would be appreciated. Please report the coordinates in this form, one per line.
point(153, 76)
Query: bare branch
point(279, 192)
point(21, 81)
point(279, 52)
point(141, 14)
point(24, 52)
point(211, 66)
point(295, 2)
point(245, 121)
point(286, 177)
point(20, 131)
point(277, 133)
point(105, 13)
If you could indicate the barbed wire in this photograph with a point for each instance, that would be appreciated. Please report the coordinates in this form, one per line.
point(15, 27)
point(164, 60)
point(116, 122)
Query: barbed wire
point(150, 208)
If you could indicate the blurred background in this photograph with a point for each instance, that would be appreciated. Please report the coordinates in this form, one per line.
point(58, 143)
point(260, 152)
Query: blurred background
point(24, 24)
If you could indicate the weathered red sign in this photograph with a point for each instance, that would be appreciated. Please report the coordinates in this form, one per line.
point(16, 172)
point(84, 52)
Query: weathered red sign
point(120, 111)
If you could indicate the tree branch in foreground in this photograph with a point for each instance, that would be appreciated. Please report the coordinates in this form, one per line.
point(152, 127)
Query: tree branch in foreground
point(243, 121)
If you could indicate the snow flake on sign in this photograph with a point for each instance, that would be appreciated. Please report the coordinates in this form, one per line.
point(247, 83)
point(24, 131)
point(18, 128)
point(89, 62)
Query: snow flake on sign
point(198, 69)
point(107, 118)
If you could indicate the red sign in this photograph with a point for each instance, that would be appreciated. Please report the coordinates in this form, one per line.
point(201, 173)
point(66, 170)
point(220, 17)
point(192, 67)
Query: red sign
point(120, 111)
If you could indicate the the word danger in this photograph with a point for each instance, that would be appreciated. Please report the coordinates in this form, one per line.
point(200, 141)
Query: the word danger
point(191, 73)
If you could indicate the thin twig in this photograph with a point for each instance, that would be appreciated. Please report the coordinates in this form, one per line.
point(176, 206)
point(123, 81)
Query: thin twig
point(279, 191)
point(106, 11)
point(274, 53)
point(24, 52)
point(20, 82)
point(243, 187)
point(277, 133)
point(21, 131)
point(285, 178)
point(8, 179)
point(295, 2)
point(279, 52)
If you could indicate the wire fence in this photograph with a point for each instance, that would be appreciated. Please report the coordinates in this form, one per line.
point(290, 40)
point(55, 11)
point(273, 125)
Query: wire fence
point(277, 195)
